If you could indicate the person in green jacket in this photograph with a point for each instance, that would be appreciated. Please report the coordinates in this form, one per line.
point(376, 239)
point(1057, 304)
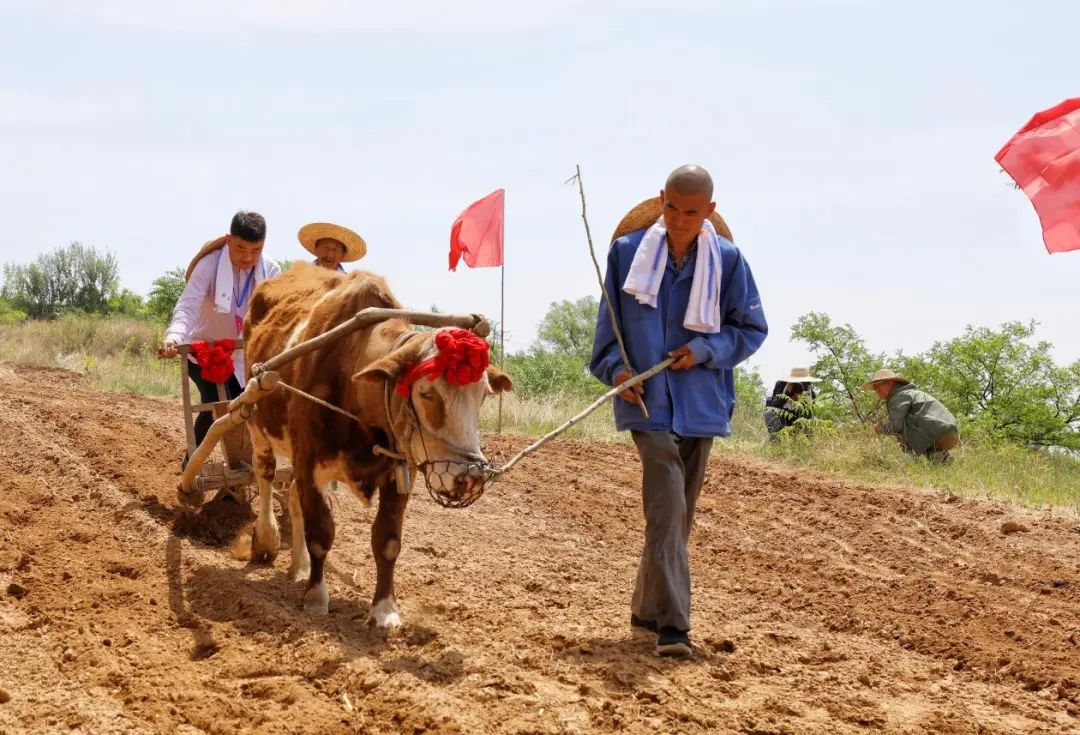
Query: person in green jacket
point(920, 422)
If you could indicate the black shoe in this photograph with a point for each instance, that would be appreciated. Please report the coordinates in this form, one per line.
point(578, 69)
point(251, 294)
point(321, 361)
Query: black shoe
point(642, 626)
point(673, 642)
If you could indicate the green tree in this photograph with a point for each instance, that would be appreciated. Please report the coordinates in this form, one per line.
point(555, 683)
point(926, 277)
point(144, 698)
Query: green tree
point(72, 278)
point(126, 303)
point(164, 293)
point(568, 328)
point(747, 419)
point(843, 362)
point(558, 360)
point(1003, 384)
point(749, 388)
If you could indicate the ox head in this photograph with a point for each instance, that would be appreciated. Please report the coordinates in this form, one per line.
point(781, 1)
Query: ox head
point(439, 381)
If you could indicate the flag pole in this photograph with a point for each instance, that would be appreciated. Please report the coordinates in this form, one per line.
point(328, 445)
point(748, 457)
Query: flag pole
point(502, 331)
point(502, 315)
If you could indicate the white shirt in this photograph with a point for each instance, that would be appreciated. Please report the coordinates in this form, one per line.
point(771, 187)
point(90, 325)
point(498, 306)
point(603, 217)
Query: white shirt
point(195, 317)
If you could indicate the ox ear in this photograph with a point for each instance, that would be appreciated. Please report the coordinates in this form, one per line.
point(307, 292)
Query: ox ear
point(393, 365)
point(387, 368)
point(498, 381)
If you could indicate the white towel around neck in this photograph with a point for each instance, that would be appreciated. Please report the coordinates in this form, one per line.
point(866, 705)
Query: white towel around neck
point(647, 272)
point(224, 301)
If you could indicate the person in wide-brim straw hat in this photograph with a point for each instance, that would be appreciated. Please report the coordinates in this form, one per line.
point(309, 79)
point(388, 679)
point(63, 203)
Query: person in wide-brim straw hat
point(787, 405)
point(921, 422)
point(678, 288)
point(332, 244)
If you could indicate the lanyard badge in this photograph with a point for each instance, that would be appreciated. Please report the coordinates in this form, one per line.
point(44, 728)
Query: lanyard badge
point(239, 299)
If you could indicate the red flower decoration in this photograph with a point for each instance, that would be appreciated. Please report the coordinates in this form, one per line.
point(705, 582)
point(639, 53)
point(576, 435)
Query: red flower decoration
point(215, 359)
point(462, 359)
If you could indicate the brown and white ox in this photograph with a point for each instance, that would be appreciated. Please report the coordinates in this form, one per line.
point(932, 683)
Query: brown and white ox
point(436, 426)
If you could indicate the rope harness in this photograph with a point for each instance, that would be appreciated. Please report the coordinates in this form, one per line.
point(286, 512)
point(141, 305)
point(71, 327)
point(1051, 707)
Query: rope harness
point(439, 475)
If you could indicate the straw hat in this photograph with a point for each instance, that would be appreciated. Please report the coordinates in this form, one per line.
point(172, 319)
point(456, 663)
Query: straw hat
point(355, 247)
point(210, 247)
point(883, 375)
point(647, 212)
point(800, 375)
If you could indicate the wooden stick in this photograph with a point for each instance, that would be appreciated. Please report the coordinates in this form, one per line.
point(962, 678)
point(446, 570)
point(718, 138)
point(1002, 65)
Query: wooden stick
point(185, 391)
point(256, 388)
point(639, 378)
point(367, 317)
point(603, 291)
point(238, 344)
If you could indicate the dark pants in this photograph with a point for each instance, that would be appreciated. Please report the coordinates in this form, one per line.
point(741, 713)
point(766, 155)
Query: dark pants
point(673, 470)
point(208, 394)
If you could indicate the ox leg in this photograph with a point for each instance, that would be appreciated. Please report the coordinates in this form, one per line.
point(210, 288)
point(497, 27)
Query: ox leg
point(385, 547)
point(300, 566)
point(265, 536)
point(319, 534)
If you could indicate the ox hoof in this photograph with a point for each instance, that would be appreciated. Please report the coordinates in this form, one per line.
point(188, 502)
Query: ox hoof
point(385, 615)
point(317, 600)
point(265, 541)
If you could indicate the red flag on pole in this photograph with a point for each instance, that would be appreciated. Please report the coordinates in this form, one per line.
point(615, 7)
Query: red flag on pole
point(1043, 159)
point(477, 234)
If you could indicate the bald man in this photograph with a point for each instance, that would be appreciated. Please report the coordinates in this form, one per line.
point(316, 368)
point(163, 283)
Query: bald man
point(678, 289)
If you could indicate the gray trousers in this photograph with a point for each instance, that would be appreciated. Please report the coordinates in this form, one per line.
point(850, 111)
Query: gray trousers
point(673, 469)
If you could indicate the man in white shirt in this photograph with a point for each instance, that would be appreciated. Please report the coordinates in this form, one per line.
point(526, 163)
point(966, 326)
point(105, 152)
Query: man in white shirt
point(215, 301)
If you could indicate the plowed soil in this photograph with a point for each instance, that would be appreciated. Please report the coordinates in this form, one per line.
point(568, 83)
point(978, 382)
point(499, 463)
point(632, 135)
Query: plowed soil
point(819, 606)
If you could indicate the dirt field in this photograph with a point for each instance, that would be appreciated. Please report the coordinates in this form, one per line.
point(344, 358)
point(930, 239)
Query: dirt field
point(819, 607)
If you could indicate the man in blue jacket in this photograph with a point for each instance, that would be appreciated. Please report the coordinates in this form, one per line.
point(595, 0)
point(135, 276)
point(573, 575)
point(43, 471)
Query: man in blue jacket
point(678, 289)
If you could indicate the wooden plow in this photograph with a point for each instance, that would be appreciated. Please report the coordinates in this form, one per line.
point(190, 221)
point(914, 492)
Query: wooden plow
point(233, 475)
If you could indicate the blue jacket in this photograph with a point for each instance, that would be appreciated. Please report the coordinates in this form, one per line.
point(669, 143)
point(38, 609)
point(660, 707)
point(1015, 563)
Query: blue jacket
point(697, 402)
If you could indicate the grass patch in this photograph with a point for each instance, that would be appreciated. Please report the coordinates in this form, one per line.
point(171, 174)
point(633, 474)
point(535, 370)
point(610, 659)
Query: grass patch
point(536, 417)
point(979, 469)
point(117, 354)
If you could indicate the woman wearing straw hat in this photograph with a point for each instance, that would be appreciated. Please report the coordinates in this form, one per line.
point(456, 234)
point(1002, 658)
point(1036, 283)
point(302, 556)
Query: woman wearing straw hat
point(792, 399)
point(332, 244)
point(919, 421)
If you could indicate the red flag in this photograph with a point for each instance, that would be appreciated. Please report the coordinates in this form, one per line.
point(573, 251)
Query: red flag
point(1043, 159)
point(477, 233)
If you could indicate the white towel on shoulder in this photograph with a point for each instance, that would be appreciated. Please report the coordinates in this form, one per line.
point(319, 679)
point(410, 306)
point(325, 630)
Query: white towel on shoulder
point(647, 272)
point(223, 283)
point(224, 286)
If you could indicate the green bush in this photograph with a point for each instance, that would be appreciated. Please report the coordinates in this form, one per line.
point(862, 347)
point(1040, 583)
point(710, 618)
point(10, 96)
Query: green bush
point(539, 374)
point(9, 314)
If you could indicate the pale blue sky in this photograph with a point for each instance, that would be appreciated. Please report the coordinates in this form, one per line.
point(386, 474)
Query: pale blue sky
point(852, 142)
